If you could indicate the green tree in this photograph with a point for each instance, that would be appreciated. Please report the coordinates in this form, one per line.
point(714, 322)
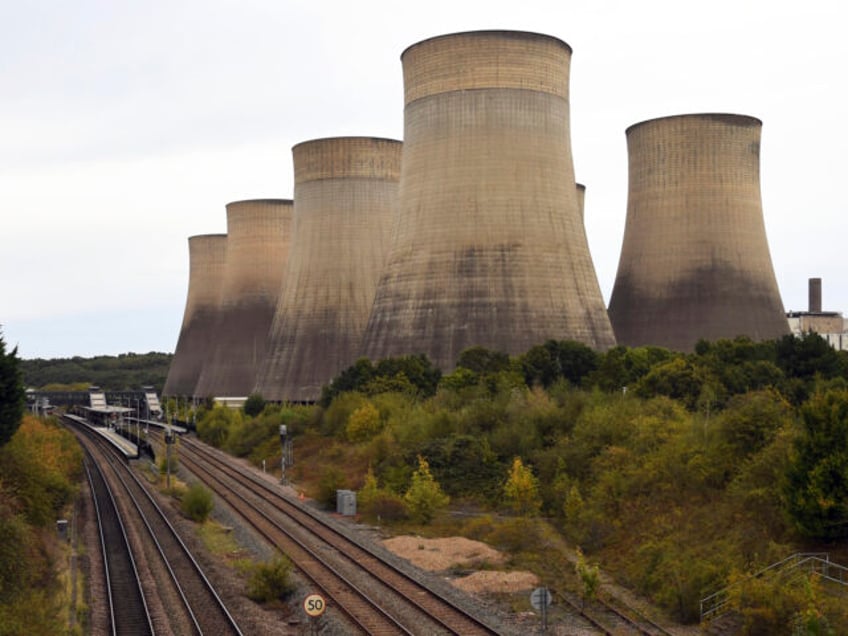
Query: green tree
point(677, 378)
point(751, 421)
point(816, 491)
point(590, 578)
point(622, 366)
point(807, 356)
point(354, 378)
point(424, 497)
point(418, 370)
point(482, 360)
point(254, 405)
point(12, 396)
point(214, 427)
point(521, 490)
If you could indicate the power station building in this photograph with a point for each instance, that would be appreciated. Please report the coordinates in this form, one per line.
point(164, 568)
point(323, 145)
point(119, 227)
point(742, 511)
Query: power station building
point(345, 198)
point(258, 235)
point(207, 261)
point(830, 325)
point(488, 246)
point(695, 260)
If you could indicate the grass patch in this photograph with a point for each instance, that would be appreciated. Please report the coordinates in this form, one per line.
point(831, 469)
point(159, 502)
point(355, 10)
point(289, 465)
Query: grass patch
point(219, 540)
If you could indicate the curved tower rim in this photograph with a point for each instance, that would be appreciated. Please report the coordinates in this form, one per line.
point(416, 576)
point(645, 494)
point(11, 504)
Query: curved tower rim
point(728, 118)
point(269, 200)
point(345, 138)
point(212, 235)
point(504, 33)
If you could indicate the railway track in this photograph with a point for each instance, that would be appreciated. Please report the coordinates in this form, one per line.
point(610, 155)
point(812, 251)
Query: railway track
point(195, 606)
point(127, 606)
point(612, 618)
point(373, 594)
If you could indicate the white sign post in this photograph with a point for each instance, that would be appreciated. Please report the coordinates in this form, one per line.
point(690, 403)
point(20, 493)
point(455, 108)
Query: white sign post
point(540, 598)
point(314, 605)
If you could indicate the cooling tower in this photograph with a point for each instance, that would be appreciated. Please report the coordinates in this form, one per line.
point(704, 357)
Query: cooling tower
point(345, 198)
point(695, 261)
point(257, 253)
point(488, 247)
point(207, 258)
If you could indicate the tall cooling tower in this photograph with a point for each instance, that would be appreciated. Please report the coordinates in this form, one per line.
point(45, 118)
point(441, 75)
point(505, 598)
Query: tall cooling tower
point(345, 198)
point(489, 247)
point(207, 258)
point(695, 261)
point(258, 234)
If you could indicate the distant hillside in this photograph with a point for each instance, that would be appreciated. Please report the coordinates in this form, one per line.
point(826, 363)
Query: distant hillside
point(112, 373)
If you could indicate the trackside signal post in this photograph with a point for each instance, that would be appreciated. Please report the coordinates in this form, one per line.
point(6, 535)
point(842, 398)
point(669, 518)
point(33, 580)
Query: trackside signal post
point(169, 441)
point(283, 446)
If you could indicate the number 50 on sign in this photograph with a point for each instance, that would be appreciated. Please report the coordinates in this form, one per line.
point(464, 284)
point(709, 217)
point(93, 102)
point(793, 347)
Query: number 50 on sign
point(314, 605)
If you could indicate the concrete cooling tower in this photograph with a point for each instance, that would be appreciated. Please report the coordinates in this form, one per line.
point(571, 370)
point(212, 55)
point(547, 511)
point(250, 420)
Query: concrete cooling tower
point(207, 258)
point(345, 198)
point(258, 235)
point(695, 261)
point(488, 248)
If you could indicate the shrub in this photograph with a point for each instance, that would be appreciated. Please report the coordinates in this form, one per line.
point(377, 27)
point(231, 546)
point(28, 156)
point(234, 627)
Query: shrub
point(197, 503)
point(271, 581)
point(388, 507)
point(332, 479)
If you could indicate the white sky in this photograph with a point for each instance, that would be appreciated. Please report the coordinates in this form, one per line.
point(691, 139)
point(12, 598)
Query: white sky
point(126, 127)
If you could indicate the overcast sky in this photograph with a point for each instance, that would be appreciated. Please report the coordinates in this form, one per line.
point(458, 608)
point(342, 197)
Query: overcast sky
point(126, 127)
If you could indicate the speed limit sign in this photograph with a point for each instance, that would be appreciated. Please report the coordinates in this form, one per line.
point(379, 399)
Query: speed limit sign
point(314, 605)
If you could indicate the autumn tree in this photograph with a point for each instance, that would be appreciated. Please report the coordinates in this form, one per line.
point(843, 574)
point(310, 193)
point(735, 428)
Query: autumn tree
point(363, 423)
point(521, 490)
point(424, 497)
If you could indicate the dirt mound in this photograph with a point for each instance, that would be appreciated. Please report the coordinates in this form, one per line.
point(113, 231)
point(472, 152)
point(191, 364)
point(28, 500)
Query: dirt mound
point(497, 582)
point(439, 555)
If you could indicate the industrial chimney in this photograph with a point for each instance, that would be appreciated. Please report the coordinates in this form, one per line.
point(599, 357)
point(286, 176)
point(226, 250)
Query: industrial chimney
point(695, 261)
point(815, 295)
point(258, 234)
point(488, 247)
point(345, 198)
point(207, 258)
